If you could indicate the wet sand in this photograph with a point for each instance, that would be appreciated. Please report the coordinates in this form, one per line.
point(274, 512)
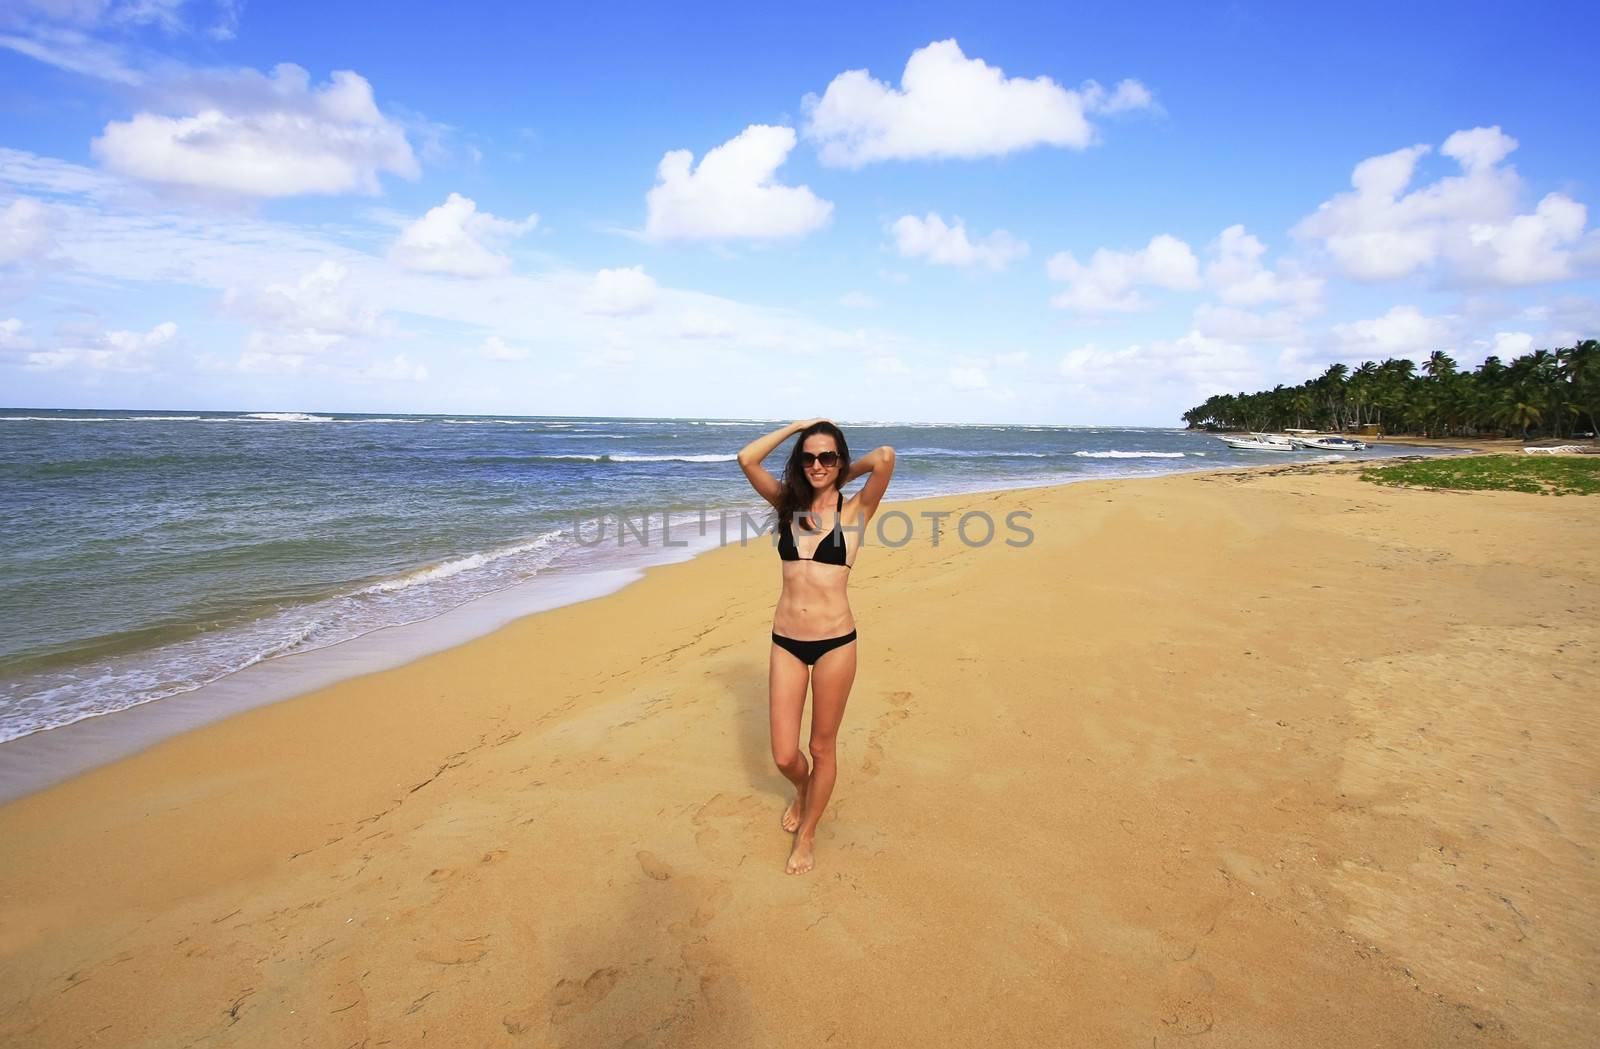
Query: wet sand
point(1274, 757)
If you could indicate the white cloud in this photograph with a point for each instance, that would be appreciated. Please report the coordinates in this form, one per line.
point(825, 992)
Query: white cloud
point(226, 26)
point(497, 349)
point(949, 105)
point(703, 324)
point(74, 51)
point(132, 341)
point(319, 301)
point(1534, 248)
point(263, 362)
point(315, 303)
point(1566, 320)
point(1238, 277)
point(621, 292)
point(946, 245)
point(272, 136)
point(888, 365)
point(1478, 149)
point(969, 378)
point(163, 13)
point(11, 337)
point(857, 300)
point(1511, 344)
point(1109, 282)
point(731, 193)
point(1193, 366)
point(62, 34)
point(1232, 324)
point(609, 357)
point(1402, 332)
point(1467, 225)
point(24, 232)
point(111, 351)
point(315, 314)
point(456, 238)
point(47, 175)
point(1128, 95)
point(1011, 360)
point(396, 369)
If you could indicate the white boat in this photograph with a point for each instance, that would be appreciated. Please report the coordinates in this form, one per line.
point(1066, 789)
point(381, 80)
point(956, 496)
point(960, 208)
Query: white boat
point(1260, 442)
point(1554, 449)
point(1328, 444)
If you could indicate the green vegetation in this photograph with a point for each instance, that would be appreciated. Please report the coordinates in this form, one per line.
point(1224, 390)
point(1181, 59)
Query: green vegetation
point(1540, 393)
point(1544, 474)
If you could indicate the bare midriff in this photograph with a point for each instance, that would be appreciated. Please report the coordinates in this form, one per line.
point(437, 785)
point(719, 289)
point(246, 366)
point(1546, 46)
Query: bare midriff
point(814, 605)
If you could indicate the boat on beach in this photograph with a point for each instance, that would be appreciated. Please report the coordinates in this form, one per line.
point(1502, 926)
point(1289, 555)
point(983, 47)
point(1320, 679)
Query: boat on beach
point(1325, 443)
point(1259, 442)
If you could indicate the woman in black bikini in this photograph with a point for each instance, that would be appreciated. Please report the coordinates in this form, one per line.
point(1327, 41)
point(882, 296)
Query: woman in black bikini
point(813, 632)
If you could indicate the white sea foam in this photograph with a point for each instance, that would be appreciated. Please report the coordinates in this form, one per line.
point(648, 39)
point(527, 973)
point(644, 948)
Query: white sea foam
point(502, 422)
point(287, 417)
point(973, 454)
point(596, 458)
point(446, 569)
point(65, 418)
point(1114, 454)
point(382, 420)
point(121, 682)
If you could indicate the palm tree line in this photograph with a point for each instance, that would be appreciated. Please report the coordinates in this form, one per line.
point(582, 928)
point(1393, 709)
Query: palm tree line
point(1550, 393)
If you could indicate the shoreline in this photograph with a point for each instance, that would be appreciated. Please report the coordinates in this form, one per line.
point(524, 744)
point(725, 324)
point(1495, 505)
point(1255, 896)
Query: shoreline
point(1261, 704)
point(43, 759)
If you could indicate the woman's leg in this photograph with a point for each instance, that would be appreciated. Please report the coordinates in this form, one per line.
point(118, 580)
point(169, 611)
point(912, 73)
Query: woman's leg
point(787, 677)
point(831, 679)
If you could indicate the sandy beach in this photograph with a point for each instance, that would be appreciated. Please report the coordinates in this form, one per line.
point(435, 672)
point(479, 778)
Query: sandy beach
point(1273, 757)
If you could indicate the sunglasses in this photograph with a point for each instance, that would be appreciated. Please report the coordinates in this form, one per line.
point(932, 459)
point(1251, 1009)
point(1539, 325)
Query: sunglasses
point(827, 459)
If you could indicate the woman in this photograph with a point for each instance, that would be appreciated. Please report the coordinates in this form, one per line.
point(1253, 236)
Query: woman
point(813, 632)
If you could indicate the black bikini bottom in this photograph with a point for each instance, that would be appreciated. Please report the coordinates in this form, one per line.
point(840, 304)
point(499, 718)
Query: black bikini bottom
point(808, 652)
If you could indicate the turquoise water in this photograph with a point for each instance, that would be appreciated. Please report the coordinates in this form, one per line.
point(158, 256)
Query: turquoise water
point(150, 553)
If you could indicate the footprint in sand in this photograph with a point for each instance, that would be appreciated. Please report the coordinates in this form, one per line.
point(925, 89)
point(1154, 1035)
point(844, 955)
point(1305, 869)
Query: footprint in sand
point(712, 901)
point(654, 867)
point(721, 805)
point(441, 874)
point(897, 712)
point(456, 952)
point(567, 999)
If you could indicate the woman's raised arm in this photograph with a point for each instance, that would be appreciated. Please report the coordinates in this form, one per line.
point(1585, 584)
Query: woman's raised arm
point(752, 455)
point(880, 464)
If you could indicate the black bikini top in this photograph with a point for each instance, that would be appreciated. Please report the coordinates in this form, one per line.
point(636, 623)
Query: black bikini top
point(829, 551)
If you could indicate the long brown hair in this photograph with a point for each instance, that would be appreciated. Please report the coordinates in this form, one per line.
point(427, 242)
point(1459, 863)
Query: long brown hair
point(798, 492)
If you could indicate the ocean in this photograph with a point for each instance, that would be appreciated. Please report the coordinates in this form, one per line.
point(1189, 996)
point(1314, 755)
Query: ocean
point(148, 554)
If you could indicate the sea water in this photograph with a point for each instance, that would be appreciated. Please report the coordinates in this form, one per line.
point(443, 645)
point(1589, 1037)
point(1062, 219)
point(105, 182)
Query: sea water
point(147, 554)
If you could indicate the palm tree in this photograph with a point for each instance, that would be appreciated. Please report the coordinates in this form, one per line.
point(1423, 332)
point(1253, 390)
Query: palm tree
point(1303, 405)
point(1517, 408)
point(1361, 381)
point(1540, 389)
point(1580, 365)
point(1439, 364)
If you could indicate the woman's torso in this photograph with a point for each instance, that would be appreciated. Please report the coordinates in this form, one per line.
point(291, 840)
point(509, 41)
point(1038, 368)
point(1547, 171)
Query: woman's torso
point(813, 603)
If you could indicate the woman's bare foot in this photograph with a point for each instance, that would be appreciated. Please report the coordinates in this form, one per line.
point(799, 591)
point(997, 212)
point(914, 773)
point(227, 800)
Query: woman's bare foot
point(800, 860)
point(794, 813)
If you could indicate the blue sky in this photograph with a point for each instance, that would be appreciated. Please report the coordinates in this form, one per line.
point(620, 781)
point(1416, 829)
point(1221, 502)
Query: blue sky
point(1084, 214)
